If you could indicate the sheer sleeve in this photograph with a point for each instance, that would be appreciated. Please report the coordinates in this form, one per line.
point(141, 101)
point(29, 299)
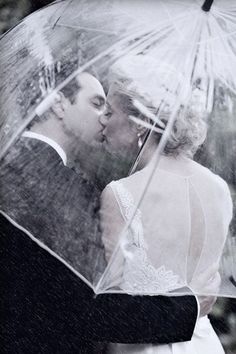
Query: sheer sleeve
point(112, 220)
point(227, 206)
point(216, 208)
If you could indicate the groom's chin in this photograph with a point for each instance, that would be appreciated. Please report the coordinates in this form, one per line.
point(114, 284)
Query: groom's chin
point(99, 138)
point(97, 144)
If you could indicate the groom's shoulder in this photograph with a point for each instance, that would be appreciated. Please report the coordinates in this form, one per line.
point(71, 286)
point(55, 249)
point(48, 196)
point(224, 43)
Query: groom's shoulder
point(25, 148)
point(33, 164)
point(28, 155)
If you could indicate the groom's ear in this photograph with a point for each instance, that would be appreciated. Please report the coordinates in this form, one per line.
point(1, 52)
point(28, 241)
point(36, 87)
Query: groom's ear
point(59, 105)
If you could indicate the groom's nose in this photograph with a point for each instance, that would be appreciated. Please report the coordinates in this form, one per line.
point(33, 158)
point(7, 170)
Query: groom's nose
point(103, 119)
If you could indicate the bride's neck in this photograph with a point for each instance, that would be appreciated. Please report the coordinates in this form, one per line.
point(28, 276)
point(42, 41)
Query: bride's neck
point(147, 153)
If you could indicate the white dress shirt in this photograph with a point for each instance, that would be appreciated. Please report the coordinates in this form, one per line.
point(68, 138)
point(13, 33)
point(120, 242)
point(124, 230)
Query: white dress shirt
point(52, 143)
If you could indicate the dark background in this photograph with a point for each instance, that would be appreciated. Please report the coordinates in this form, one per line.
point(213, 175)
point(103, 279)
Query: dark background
point(223, 316)
point(12, 11)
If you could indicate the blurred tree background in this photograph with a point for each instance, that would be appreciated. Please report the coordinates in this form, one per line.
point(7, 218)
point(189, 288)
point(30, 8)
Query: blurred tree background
point(223, 316)
point(12, 11)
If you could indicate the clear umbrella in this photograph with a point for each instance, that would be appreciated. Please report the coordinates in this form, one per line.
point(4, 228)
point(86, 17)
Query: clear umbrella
point(175, 61)
point(200, 83)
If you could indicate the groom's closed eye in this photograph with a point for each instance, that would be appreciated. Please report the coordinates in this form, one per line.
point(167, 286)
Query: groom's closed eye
point(98, 102)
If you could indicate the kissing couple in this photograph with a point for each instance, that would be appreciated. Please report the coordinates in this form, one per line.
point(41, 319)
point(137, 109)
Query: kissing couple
point(57, 247)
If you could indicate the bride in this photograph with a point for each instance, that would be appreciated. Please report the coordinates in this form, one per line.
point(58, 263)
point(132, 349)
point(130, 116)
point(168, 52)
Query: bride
point(180, 227)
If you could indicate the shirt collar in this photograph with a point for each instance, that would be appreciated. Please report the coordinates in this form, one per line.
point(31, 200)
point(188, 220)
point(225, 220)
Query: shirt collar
point(52, 143)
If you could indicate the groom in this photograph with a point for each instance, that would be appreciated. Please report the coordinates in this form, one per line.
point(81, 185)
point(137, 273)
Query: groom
point(46, 307)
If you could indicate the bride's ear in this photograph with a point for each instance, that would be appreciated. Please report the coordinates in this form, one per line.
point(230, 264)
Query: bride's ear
point(142, 127)
point(142, 131)
point(59, 105)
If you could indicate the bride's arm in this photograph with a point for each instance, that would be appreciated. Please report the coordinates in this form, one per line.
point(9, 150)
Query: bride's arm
point(207, 283)
point(111, 220)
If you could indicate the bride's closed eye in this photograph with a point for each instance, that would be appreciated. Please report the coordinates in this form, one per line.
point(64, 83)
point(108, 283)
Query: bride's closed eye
point(108, 112)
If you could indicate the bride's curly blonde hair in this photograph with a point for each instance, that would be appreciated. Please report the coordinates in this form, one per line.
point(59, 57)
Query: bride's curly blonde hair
point(155, 86)
point(188, 133)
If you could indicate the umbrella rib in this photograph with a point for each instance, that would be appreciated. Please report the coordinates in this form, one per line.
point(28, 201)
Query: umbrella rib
point(171, 20)
point(136, 48)
point(225, 47)
point(62, 13)
point(86, 28)
point(221, 12)
point(209, 64)
point(227, 84)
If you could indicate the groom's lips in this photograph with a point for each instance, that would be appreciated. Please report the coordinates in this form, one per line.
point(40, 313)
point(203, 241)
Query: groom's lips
point(103, 135)
point(100, 136)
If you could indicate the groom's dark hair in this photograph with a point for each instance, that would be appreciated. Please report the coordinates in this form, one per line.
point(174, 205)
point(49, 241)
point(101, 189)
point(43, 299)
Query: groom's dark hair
point(71, 90)
point(68, 65)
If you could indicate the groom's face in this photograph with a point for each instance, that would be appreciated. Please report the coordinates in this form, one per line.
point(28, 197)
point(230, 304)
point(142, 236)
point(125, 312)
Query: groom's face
point(81, 117)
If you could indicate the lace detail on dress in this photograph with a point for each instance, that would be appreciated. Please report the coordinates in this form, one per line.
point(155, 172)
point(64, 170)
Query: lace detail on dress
point(139, 275)
point(135, 231)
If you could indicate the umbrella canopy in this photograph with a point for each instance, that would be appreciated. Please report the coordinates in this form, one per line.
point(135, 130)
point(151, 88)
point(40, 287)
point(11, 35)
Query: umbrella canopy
point(170, 68)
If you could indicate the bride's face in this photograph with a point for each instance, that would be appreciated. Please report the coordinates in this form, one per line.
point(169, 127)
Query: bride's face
point(120, 133)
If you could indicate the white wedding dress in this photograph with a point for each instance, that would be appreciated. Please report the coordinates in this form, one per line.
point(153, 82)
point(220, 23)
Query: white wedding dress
point(186, 210)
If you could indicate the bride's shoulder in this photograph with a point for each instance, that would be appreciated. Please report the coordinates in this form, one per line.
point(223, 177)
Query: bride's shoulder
point(200, 169)
point(126, 189)
point(206, 176)
point(130, 180)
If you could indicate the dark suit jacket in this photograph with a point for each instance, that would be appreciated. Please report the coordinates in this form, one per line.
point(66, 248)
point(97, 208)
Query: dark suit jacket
point(46, 307)
point(55, 204)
